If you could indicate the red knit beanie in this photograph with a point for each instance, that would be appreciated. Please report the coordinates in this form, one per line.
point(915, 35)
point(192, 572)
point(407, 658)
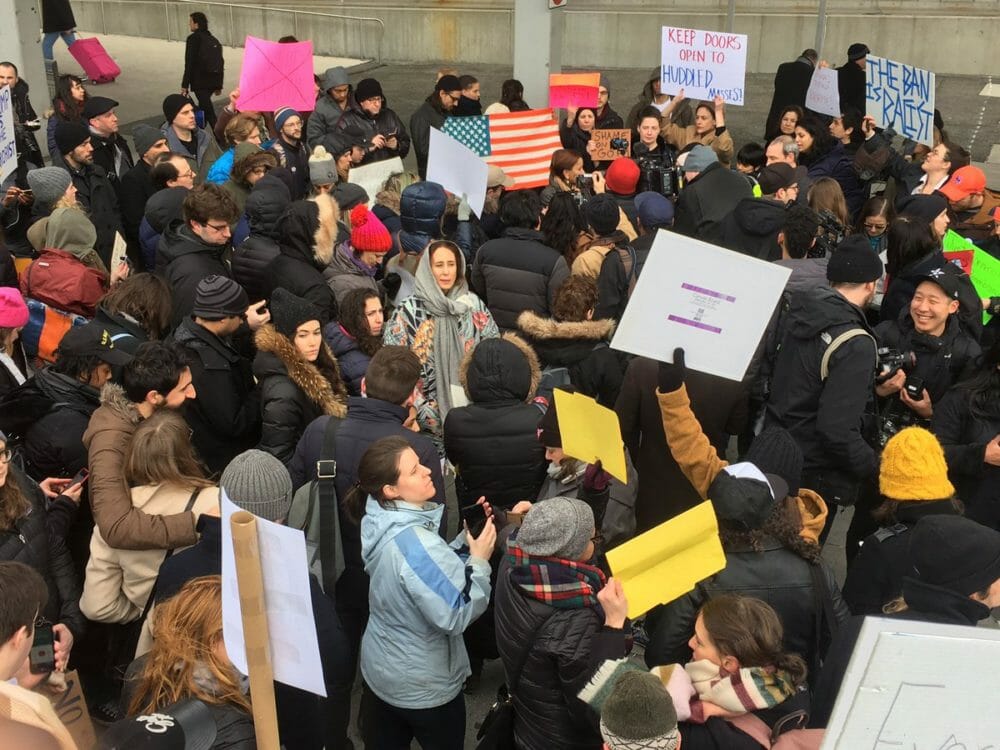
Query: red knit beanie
point(622, 177)
point(368, 234)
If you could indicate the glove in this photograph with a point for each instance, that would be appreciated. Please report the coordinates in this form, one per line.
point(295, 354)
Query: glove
point(671, 377)
point(391, 283)
point(596, 478)
point(464, 210)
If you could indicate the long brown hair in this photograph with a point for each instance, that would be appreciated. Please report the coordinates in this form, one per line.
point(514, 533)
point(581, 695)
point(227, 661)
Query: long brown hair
point(187, 628)
point(749, 630)
point(827, 195)
point(160, 452)
point(145, 297)
point(379, 466)
point(355, 322)
point(13, 503)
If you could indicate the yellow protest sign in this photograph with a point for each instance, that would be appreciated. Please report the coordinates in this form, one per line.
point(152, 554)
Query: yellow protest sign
point(666, 562)
point(590, 432)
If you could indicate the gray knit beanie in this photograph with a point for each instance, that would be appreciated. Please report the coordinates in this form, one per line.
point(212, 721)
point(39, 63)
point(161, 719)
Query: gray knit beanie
point(258, 483)
point(48, 184)
point(145, 137)
point(557, 527)
point(322, 170)
point(639, 715)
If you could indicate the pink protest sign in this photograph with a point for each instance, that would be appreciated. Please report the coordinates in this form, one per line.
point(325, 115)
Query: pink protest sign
point(573, 89)
point(277, 75)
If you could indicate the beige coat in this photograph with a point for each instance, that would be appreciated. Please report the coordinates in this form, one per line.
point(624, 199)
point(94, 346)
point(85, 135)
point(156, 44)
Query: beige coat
point(118, 581)
point(679, 137)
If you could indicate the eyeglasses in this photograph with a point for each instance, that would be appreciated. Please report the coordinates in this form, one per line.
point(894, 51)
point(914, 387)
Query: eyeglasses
point(597, 539)
point(217, 227)
point(6, 455)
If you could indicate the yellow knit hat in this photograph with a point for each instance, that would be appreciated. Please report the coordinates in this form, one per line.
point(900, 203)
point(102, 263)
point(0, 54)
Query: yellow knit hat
point(913, 467)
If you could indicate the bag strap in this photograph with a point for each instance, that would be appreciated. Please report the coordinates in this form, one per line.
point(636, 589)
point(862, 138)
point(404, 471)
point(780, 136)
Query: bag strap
point(326, 472)
point(152, 591)
point(823, 604)
point(831, 349)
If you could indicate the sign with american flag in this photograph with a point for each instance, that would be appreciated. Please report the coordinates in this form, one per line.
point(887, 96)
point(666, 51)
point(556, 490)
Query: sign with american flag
point(520, 143)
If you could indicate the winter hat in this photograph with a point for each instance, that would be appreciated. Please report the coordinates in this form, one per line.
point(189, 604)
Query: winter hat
point(955, 553)
point(602, 214)
point(854, 262)
point(965, 182)
point(421, 206)
point(289, 311)
point(605, 84)
point(281, 116)
point(322, 170)
point(258, 483)
point(349, 195)
point(448, 83)
point(496, 108)
point(775, 452)
point(92, 340)
point(639, 714)
point(700, 158)
point(49, 184)
point(654, 210)
point(856, 51)
point(367, 88)
point(622, 176)
point(557, 527)
point(924, 208)
point(69, 229)
point(13, 310)
point(368, 234)
point(744, 496)
point(96, 106)
point(218, 297)
point(913, 467)
point(547, 432)
point(249, 156)
point(334, 77)
point(69, 135)
point(173, 104)
point(775, 177)
point(145, 137)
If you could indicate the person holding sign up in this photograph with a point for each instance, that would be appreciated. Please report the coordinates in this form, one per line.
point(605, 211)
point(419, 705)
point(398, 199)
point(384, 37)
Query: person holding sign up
point(709, 128)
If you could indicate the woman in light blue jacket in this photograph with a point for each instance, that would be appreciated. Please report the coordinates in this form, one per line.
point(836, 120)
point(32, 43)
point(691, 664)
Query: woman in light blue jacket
point(423, 595)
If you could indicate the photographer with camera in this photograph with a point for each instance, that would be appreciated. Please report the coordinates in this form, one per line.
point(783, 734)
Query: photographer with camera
point(567, 174)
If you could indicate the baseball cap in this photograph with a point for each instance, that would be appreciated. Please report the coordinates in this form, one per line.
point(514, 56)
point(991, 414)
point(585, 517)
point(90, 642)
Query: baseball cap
point(965, 182)
point(947, 281)
point(497, 176)
point(92, 340)
point(775, 177)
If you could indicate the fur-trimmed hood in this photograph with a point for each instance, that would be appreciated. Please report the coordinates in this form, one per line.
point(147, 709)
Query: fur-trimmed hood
point(329, 394)
point(113, 396)
point(308, 230)
point(501, 369)
point(539, 328)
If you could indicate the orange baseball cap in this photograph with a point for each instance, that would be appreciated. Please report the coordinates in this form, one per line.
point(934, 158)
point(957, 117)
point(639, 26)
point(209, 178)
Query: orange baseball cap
point(965, 182)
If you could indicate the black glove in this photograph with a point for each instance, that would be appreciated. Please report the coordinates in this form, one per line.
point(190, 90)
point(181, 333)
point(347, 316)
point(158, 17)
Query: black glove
point(391, 284)
point(671, 377)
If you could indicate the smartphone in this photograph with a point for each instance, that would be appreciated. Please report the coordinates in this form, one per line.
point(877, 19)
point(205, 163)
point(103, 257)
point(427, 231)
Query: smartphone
point(42, 657)
point(914, 386)
point(474, 517)
point(81, 477)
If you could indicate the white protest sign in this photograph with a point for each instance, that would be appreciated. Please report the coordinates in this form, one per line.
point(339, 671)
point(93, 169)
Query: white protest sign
point(901, 96)
point(8, 147)
point(823, 95)
point(704, 64)
point(919, 686)
point(714, 303)
point(372, 176)
point(458, 169)
point(290, 623)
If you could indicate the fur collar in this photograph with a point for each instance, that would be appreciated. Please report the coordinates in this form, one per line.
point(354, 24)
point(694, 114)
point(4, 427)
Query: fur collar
point(330, 397)
point(326, 231)
point(526, 350)
point(540, 328)
point(113, 396)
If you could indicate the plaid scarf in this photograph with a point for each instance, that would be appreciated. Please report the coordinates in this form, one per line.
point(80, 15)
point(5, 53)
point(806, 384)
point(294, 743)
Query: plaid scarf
point(563, 584)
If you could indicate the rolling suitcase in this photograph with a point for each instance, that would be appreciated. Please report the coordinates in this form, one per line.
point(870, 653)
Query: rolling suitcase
point(94, 60)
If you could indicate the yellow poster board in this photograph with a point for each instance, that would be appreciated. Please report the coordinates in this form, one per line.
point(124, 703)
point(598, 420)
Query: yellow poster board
point(591, 432)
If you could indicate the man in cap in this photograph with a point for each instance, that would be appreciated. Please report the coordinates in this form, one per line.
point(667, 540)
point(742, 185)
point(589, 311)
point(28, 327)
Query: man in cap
point(753, 226)
point(331, 106)
point(111, 152)
point(381, 126)
point(225, 417)
point(432, 113)
point(971, 203)
point(710, 194)
point(136, 186)
point(183, 134)
point(497, 182)
point(291, 150)
point(851, 77)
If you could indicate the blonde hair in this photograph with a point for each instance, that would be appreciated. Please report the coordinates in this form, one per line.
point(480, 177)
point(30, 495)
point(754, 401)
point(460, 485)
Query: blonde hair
point(241, 127)
point(161, 453)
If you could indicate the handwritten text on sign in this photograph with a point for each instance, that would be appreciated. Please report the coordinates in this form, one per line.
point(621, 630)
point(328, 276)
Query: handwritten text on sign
point(703, 63)
point(8, 149)
point(901, 96)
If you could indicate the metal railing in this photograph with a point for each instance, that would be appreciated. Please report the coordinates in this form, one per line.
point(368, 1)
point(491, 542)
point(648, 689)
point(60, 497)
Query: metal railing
point(172, 14)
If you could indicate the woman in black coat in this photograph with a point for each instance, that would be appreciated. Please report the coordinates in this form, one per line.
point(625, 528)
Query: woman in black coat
point(265, 205)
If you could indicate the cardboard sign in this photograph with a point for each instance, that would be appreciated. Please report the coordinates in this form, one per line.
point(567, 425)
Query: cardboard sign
point(603, 150)
point(118, 251)
point(901, 96)
point(372, 176)
point(591, 432)
point(8, 147)
point(703, 63)
point(71, 708)
point(277, 75)
point(573, 89)
point(456, 168)
point(823, 95)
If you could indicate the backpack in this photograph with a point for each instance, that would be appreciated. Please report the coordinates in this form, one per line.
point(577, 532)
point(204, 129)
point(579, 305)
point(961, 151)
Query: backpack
point(210, 58)
point(44, 330)
point(314, 511)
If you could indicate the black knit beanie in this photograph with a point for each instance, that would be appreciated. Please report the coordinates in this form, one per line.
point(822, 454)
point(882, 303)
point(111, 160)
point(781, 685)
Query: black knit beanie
point(854, 262)
point(288, 312)
point(774, 451)
point(955, 553)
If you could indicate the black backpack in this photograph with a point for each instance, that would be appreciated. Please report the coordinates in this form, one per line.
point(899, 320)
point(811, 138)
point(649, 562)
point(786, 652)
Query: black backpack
point(210, 55)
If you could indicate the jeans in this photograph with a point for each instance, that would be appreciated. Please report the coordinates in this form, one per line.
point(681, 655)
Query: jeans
point(49, 41)
point(439, 728)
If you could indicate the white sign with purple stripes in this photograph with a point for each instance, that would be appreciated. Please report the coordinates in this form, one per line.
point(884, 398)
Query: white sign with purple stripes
point(712, 302)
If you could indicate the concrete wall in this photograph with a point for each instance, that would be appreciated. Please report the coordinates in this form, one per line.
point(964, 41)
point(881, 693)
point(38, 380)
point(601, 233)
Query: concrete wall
point(947, 37)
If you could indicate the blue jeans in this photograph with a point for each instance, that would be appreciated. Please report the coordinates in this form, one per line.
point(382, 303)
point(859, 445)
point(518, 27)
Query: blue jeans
point(49, 41)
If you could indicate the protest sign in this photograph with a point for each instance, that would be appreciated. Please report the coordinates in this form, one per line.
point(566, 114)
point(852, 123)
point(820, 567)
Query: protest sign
point(981, 267)
point(373, 176)
point(823, 95)
point(916, 685)
point(573, 89)
point(605, 141)
point(901, 97)
point(277, 75)
point(71, 708)
point(8, 146)
point(714, 303)
point(591, 432)
point(457, 168)
point(667, 561)
point(704, 64)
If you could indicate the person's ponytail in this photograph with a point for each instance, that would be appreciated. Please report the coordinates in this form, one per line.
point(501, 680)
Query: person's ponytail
point(379, 466)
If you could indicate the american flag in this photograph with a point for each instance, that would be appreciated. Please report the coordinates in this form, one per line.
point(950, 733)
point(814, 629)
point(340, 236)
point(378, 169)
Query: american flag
point(520, 143)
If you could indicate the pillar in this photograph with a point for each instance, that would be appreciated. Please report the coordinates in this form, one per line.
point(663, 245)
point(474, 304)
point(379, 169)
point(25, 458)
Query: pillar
point(537, 48)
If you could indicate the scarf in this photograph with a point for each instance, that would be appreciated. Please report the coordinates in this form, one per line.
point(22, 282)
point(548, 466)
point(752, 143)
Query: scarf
point(347, 251)
point(563, 584)
point(749, 689)
point(447, 310)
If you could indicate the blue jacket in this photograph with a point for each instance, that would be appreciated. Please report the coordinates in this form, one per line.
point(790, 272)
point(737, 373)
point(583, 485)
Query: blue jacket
point(223, 166)
point(423, 596)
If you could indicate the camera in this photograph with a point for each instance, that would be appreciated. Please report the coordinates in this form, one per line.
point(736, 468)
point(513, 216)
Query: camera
point(659, 174)
point(586, 183)
point(619, 144)
point(891, 361)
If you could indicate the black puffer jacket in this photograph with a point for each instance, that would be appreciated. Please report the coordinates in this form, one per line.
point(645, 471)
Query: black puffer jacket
point(582, 348)
point(386, 123)
point(706, 201)
point(904, 282)
point(265, 205)
point(34, 542)
point(517, 272)
point(752, 228)
point(492, 442)
point(306, 233)
point(162, 208)
point(183, 260)
point(564, 649)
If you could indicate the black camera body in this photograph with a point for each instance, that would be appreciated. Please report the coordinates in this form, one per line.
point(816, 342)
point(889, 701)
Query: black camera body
point(891, 361)
point(659, 174)
point(619, 144)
